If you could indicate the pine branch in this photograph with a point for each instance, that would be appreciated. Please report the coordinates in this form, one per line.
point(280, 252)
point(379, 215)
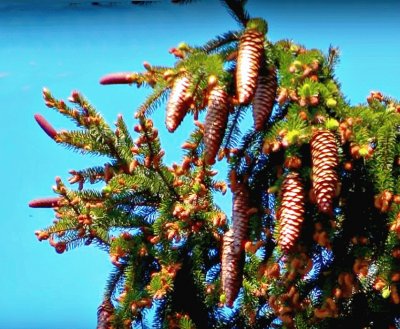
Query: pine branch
point(233, 131)
point(333, 57)
point(153, 101)
point(152, 154)
point(220, 41)
point(92, 175)
point(236, 9)
point(384, 158)
point(239, 163)
point(114, 281)
point(124, 142)
point(85, 142)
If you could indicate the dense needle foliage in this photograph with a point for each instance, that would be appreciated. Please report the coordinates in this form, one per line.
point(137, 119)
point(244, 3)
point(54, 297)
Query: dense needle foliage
point(313, 240)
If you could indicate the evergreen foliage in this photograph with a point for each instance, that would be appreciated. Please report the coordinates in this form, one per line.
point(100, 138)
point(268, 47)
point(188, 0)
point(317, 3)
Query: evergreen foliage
point(325, 258)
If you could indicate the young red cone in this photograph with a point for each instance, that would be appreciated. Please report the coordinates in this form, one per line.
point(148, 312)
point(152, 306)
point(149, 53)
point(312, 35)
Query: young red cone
point(264, 98)
point(291, 211)
point(44, 203)
point(215, 123)
point(45, 125)
point(251, 47)
point(177, 105)
point(117, 78)
point(324, 155)
point(104, 315)
point(232, 248)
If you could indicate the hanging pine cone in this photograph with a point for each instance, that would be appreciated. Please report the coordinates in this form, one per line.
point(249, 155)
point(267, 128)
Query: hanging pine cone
point(232, 249)
point(251, 47)
point(215, 123)
point(240, 218)
point(291, 211)
point(264, 97)
point(231, 267)
point(104, 314)
point(177, 105)
point(324, 154)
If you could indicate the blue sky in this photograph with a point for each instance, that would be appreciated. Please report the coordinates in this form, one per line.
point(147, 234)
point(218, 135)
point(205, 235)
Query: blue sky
point(66, 47)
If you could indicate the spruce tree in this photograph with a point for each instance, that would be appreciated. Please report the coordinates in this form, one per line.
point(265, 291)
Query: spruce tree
point(313, 239)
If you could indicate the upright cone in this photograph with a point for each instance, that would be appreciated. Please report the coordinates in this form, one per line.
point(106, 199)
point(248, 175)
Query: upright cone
point(232, 248)
point(264, 97)
point(291, 211)
point(251, 47)
point(324, 154)
point(215, 123)
point(177, 105)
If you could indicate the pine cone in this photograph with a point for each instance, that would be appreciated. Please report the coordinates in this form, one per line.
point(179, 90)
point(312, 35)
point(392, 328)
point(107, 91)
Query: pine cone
point(104, 314)
point(215, 123)
point(291, 211)
point(232, 250)
point(264, 98)
point(324, 154)
point(177, 105)
point(251, 47)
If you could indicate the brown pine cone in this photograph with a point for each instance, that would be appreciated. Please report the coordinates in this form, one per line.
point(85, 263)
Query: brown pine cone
point(324, 154)
point(264, 98)
point(291, 211)
point(215, 123)
point(233, 241)
point(177, 105)
point(251, 47)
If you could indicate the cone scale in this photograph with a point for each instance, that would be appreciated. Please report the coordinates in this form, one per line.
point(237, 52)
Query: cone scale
point(215, 123)
point(291, 211)
point(324, 155)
